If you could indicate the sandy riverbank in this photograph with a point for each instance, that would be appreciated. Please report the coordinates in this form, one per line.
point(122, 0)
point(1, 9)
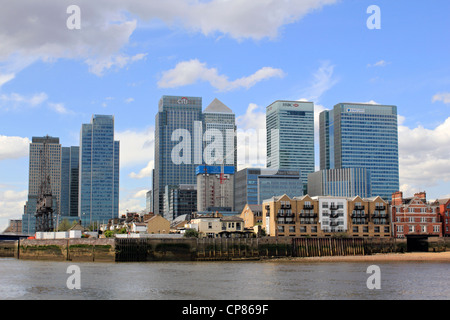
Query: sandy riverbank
point(386, 257)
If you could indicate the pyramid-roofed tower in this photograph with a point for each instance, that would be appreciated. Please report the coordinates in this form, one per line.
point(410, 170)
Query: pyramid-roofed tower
point(217, 106)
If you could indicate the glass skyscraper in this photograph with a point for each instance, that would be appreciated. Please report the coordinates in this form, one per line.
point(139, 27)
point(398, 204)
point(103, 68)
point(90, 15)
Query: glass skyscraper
point(217, 116)
point(356, 135)
point(69, 181)
point(290, 136)
point(99, 171)
point(52, 151)
point(177, 123)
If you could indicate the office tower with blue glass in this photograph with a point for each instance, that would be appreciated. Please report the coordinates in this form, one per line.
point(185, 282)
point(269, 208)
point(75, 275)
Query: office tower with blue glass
point(348, 182)
point(354, 135)
point(218, 118)
point(254, 185)
point(178, 144)
point(290, 136)
point(99, 171)
point(69, 182)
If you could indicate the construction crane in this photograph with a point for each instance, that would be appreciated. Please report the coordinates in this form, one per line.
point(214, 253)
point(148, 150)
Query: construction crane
point(44, 205)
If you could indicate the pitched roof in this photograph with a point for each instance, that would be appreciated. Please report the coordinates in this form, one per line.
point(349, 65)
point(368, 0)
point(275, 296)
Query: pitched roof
point(217, 107)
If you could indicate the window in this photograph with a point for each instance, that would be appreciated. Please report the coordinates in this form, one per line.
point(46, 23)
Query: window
point(437, 229)
point(209, 225)
point(376, 229)
point(355, 229)
point(424, 228)
point(400, 229)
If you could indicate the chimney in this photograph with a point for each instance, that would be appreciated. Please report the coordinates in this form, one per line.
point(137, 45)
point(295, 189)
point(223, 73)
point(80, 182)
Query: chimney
point(397, 198)
point(421, 195)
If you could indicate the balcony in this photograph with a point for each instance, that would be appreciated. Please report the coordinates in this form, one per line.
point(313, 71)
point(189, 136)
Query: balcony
point(285, 206)
point(380, 208)
point(359, 207)
point(308, 207)
point(333, 207)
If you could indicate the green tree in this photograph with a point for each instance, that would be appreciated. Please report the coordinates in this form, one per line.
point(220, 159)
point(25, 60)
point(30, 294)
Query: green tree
point(191, 233)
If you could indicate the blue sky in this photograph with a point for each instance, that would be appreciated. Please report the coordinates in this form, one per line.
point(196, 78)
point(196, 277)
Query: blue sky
point(247, 54)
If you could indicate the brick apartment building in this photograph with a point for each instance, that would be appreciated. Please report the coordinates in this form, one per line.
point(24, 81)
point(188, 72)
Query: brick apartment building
point(414, 216)
point(444, 213)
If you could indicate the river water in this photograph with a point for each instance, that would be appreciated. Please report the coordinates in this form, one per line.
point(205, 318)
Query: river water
point(30, 280)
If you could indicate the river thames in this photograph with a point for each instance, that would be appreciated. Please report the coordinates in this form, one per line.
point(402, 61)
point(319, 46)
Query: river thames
point(32, 280)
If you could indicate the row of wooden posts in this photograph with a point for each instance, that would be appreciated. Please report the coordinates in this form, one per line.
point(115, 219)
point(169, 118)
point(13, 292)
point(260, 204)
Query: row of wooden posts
point(238, 248)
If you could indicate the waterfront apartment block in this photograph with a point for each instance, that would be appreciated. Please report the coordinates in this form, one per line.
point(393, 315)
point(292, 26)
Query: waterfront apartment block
point(354, 135)
point(414, 216)
point(326, 216)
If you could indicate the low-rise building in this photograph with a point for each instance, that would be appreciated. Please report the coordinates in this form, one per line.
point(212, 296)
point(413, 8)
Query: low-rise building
point(252, 215)
point(414, 216)
point(158, 225)
point(217, 226)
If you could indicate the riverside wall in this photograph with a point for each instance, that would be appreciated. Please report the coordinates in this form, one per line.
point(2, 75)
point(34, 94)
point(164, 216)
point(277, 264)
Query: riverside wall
point(193, 249)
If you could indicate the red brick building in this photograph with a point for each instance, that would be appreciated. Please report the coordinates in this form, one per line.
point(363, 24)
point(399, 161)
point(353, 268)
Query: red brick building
point(444, 212)
point(415, 216)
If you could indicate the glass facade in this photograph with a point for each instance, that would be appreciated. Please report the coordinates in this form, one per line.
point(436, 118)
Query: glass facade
point(363, 136)
point(349, 182)
point(99, 171)
point(175, 112)
point(53, 158)
point(290, 136)
point(218, 116)
point(254, 185)
point(69, 181)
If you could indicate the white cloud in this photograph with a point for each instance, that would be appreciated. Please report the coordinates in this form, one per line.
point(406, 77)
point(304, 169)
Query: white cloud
point(4, 78)
point(33, 31)
point(11, 204)
point(424, 155)
point(251, 137)
point(14, 100)
point(145, 172)
point(136, 147)
point(443, 97)
point(192, 71)
point(98, 67)
point(323, 80)
point(13, 147)
point(59, 108)
point(380, 63)
point(129, 100)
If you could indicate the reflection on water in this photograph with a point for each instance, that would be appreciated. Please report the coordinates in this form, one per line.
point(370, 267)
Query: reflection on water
point(21, 279)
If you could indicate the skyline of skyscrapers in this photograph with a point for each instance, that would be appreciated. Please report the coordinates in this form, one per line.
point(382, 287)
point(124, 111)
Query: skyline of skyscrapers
point(359, 139)
point(354, 135)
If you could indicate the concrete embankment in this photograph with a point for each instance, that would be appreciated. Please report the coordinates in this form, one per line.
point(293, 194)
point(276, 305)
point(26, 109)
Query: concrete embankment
point(67, 250)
